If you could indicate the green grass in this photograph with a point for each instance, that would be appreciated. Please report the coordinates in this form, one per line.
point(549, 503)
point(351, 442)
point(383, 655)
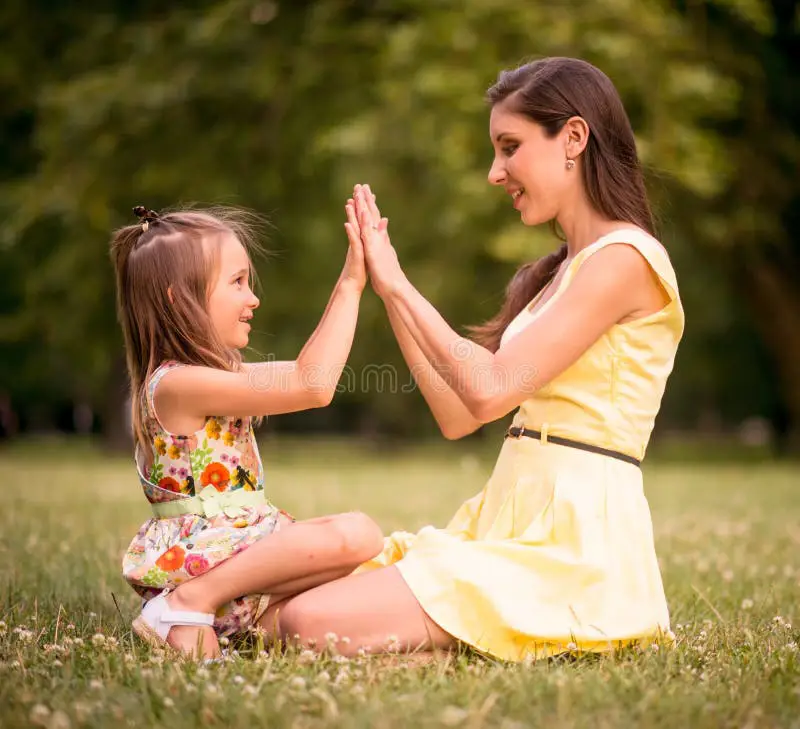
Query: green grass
point(728, 538)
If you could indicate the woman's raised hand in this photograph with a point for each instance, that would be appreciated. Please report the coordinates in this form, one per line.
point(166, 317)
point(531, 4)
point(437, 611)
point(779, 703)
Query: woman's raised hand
point(382, 263)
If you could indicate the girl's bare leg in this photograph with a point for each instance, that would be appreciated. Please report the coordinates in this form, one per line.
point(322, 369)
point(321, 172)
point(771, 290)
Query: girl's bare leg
point(376, 610)
point(299, 556)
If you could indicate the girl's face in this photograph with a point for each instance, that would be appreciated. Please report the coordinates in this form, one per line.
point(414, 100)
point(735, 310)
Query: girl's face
point(530, 165)
point(232, 302)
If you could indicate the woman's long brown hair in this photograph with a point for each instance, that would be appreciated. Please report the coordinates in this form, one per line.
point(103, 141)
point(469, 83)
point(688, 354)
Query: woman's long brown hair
point(550, 92)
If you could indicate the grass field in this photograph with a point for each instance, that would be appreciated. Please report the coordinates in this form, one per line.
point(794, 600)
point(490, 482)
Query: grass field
point(728, 538)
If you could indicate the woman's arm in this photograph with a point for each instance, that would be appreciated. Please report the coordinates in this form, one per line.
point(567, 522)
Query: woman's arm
point(610, 286)
point(454, 419)
point(451, 415)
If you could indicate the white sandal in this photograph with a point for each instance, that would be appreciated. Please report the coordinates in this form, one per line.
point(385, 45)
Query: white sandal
point(157, 617)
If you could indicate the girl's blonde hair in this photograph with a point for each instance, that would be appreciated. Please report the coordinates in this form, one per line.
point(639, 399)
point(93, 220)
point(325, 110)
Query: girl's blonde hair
point(165, 269)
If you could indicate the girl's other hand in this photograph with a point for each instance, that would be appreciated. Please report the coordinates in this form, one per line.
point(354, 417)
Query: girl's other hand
point(355, 267)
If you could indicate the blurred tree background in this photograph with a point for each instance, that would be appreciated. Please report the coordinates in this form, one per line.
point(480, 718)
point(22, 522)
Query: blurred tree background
point(282, 106)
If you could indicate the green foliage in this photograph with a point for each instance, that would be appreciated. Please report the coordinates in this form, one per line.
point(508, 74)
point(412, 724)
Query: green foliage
point(283, 107)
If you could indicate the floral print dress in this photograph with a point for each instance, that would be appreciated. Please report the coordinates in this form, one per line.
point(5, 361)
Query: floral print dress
point(167, 551)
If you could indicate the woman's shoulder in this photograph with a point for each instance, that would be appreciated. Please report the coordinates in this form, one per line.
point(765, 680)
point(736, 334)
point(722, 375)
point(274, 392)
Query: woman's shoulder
point(633, 247)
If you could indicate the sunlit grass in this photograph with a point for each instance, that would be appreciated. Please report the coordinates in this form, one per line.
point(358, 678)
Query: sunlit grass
point(728, 539)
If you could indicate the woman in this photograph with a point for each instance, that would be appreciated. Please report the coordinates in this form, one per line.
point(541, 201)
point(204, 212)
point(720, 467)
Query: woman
point(556, 552)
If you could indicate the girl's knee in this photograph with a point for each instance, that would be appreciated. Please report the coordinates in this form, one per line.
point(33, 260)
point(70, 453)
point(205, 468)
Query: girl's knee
point(360, 537)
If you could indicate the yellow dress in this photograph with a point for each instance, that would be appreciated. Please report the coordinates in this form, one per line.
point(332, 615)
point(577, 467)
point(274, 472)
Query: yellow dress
point(556, 552)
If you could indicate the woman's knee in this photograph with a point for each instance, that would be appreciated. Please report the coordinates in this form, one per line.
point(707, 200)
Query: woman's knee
point(300, 618)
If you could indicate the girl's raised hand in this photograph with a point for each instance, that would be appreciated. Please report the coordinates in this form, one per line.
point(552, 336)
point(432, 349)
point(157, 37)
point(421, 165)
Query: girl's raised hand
point(355, 267)
point(382, 263)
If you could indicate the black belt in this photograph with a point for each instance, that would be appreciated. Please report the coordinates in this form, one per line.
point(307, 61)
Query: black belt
point(528, 433)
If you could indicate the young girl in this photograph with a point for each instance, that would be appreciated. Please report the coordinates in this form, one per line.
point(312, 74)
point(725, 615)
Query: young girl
point(217, 557)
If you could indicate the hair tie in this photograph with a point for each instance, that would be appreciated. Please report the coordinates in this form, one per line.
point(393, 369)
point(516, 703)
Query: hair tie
point(146, 216)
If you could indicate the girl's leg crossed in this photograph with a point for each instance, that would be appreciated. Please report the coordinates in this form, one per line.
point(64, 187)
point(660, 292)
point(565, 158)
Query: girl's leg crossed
point(300, 555)
point(376, 610)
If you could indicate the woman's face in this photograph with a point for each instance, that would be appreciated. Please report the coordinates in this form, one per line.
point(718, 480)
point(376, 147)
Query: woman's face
point(531, 166)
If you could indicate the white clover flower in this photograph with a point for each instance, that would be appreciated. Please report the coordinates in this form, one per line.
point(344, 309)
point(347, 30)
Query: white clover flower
point(571, 646)
point(655, 647)
point(238, 680)
point(70, 627)
point(92, 615)
point(747, 604)
point(82, 711)
point(453, 716)
point(251, 691)
point(78, 641)
point(306, 657)
point(344, 640)
point(39, 714)
point(331, 638)
point(98, 639)
point(168, 702)
point(25, 636)
point(223, 641)
point(324, 677)
point(297, 682)
point(57, 664)
point(96, 684)
point(59, 720)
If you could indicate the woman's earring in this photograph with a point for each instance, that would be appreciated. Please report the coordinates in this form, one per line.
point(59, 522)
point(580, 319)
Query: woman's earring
point(570, 164)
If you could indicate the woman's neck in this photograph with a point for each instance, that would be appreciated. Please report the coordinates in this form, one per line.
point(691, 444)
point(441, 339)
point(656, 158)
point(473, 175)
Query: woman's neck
point(583, 225)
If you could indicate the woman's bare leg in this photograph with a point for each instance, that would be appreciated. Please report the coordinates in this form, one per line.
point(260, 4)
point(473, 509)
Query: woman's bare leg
point(302, 554)
point(376, 610)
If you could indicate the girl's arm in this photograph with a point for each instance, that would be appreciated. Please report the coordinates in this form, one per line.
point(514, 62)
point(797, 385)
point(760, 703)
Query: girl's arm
point(271, 388)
